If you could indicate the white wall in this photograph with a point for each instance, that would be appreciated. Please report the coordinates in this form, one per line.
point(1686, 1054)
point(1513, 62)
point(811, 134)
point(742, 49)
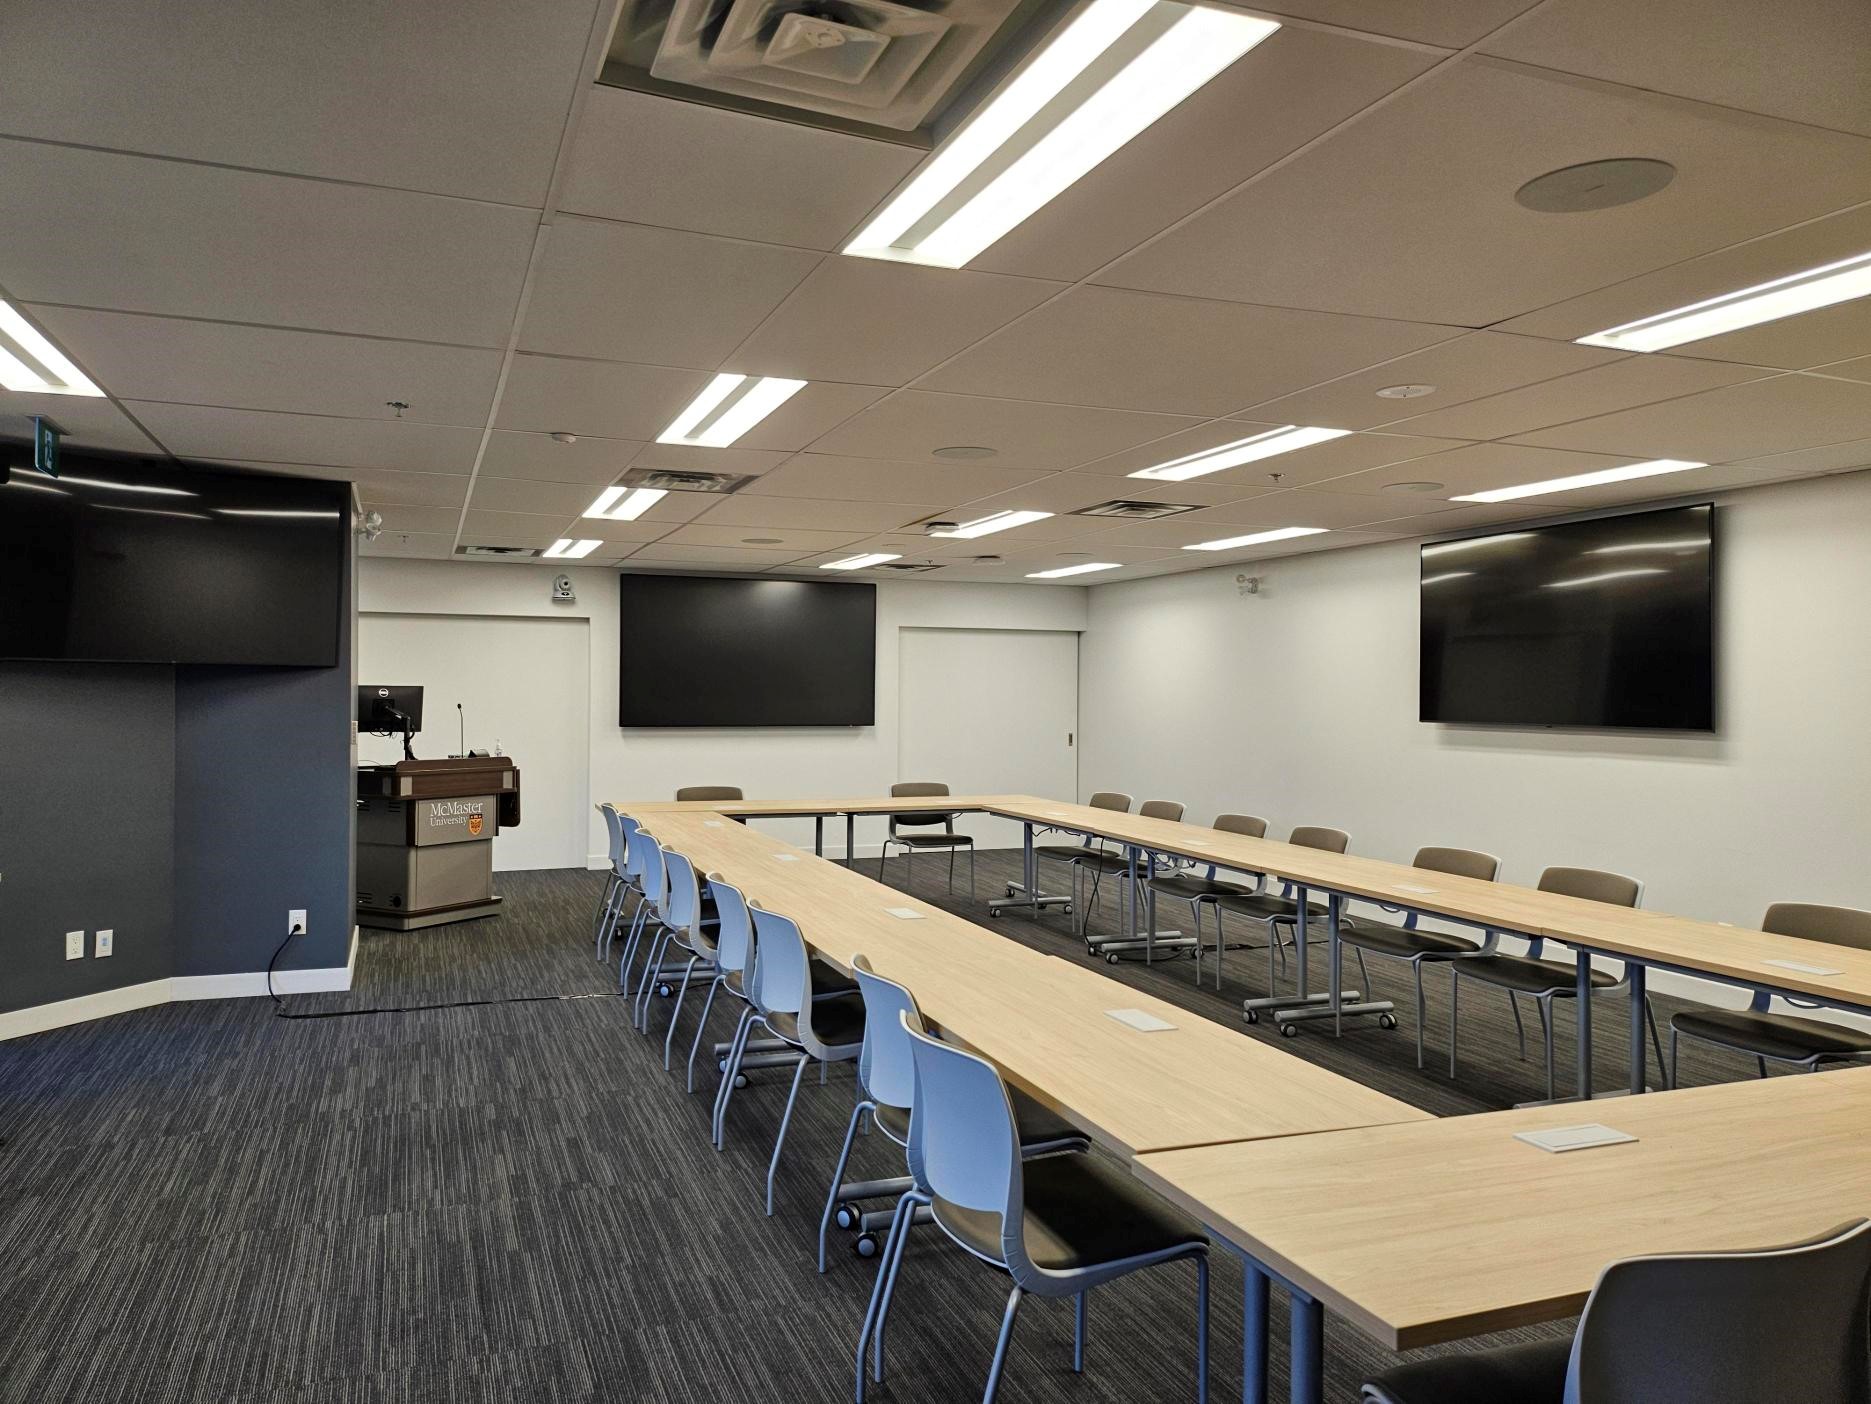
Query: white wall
point(1300, 703)
point(652, 764)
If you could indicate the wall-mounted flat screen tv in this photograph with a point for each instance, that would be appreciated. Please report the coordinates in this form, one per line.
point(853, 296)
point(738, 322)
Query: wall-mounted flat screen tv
point(712, 650)
point(132, 561)
point(1608, 622)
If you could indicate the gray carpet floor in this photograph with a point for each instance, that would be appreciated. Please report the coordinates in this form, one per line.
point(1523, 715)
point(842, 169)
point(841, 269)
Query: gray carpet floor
point(203, 1202)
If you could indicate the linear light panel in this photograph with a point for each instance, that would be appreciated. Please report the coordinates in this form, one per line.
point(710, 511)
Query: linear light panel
point(861, 562)
point(1745, 307)
point(1272, 443)
point(625, 504)
point(30, 363)
point(727, 408)
point(1116, 68)
point(1060, 572)
point(565, 549)
point(1583, 480)
point(1259, 538)
point(993, 522)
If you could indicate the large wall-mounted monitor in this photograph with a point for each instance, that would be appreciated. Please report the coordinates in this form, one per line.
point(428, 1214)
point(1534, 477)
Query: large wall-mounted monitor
point(1608, 622)
point(714, 651)
point(131, 561)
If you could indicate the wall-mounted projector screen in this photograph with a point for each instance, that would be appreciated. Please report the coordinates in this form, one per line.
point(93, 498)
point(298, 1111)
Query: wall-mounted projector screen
point(710, 650)
point(1601, 623)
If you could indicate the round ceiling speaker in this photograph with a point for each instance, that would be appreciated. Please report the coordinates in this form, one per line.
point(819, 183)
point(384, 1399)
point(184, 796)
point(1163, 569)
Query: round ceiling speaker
point(1412, 487)
point(1595, 185)
point(1405, 392)
point(967, 451)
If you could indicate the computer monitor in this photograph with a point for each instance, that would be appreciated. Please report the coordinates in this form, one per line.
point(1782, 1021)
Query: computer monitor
point(391, 711)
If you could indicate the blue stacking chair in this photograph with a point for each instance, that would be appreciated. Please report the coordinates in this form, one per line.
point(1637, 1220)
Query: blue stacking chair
point(686, 919)
point(622, 881)
point(1058, 1226)
point(734, 960)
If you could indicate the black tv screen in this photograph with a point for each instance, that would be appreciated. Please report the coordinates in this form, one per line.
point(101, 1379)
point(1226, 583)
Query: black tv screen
point(129, 561)
point(710, 650)
point(1601, 623)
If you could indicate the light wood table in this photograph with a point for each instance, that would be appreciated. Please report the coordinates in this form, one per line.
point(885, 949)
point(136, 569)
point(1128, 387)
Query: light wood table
point(1423, 1233)
point(1040, 1019)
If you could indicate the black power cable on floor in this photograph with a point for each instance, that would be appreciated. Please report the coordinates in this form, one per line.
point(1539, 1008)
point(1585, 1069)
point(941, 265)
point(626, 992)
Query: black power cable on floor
point(280, 1011)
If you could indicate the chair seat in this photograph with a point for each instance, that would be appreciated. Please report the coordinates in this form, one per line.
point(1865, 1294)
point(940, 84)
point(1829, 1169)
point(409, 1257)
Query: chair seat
point(1534, 1373)
point(1196, 889)
point(1267, 906)
point(736, 983)
point(1038, 1125)
point(1062, 852)
point(836, 1023)
point(1525, 975)
point(1080, 1213)
point(926, 816)
point(1785, 1037)
point(933, 840)
point(1387, 938)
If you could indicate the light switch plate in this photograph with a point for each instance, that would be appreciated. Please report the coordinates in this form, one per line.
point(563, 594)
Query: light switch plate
point(106, 942)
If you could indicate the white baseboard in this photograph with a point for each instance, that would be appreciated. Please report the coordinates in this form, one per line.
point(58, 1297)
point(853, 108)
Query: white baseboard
point(104, 1003)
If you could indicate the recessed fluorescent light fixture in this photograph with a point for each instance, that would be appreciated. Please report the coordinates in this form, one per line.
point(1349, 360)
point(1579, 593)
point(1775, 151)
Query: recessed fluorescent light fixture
point(993, 522)
point(1259, 538)
point(126, 487)
point(1747, 307)
point(30, 363)
point(727, 408)
point(1249, 450)
point(565, 549)
point(861, 562)
point(1116, 68)
point(625, 504)
point(1583, 480)
point(272, 512)
point(1085, 569)
point(1603, 578)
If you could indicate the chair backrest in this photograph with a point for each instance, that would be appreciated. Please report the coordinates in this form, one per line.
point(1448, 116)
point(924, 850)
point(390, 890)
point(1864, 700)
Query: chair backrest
point(734, 940)
point(1593, 885)
point(1458, 862)
point(1248, 824)
point(782, 976)
point(1110, 799)
point(1785, 1323)
point(963, 1147)
point(682, 907)
point(910, 789)
point(1837, 926)
point(655, 878)
point(1326, 840)
point(1160, 809)
point(615, 833)
point(709, 792)
point(887, 1064)
point(634, 838)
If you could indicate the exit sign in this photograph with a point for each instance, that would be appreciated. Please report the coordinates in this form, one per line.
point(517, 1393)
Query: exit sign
point(45, 446)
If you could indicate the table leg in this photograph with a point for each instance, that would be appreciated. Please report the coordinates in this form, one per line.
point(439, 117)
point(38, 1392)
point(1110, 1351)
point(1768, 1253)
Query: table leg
point(818, 834)
point(1635, 973)
point(1583, 994)
point(1335, 958)
point(1254, 1294)
point(851, 840)
point(1308, 1349)
point(1305, 981)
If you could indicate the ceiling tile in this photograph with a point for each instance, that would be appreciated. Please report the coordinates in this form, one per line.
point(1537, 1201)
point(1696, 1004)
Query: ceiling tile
point(745, 511)
point(1722, 426)
point(418, 545)
point(607, 399)
point(911, 424)
point(1267, 513)
point(1290, 88)
point(1858, 369)
point(512, 528)
point(1730, 52)
point(87, 423)
point(797, 540)
point(422, 520)
point(1335, 458)
point(627, 292)
point(687, 457)
point(1466, 368)
point(527, 495)
point(1128, 350)
point(463, 97)
point(1473, 468)
point(1832, 458)
point(708, 557)
point(687, 165)
point(542, 459)
point(814, 411)
point(172, 238)
point(1453, 23)
point(882, 323)
point(197, 431)
point(217, 363)
point(1449, 243)
point(1635, 380)
point(405, 489)
point(871, 480)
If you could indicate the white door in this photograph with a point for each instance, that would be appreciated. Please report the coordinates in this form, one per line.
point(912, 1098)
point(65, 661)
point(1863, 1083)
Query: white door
point(989, 711)
point(524, 684)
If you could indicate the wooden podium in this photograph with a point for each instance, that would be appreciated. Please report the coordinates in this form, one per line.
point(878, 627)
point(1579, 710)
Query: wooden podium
point(425, 839)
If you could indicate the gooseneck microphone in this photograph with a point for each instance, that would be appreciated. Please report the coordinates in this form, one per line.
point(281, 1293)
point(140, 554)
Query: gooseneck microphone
point(462, 717)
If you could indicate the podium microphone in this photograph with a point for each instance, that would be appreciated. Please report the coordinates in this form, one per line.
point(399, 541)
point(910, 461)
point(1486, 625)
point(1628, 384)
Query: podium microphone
point(462, 718)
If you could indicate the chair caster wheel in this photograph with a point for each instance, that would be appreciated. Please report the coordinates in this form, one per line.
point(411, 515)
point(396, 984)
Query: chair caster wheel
point(845, 1216)
point(1091, 950)
point(740, 1081)
point(1111, 959)
point(1251, 1015)
point(1289, 1031)
point(1386, 1021)
point(665, 991)
point(996, 913)
point(865, 1245)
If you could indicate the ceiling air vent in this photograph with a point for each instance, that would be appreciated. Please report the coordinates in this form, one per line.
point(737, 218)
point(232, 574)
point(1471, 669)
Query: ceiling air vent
point(497, 552)
point(683, 480)
point(910, 567)
point(1135, 511)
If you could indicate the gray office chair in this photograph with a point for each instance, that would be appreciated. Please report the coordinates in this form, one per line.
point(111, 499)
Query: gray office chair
point(621, 883)
point(1206, 891)
point(1783, 1038)
point(1095, 863)
point(1277, 911)
point(1069, 854)
point(693, 793)
point(1404, 941)
point(1718, 1328)
point(685, 919)
point(886, 1092)
point(1058, 1226)
point(944, 839)
point(1544, 980)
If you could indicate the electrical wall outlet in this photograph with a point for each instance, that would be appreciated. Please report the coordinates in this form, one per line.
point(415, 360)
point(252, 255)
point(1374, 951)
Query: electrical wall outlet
point(295, 921)
point(74, 945)
point(106, 942)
